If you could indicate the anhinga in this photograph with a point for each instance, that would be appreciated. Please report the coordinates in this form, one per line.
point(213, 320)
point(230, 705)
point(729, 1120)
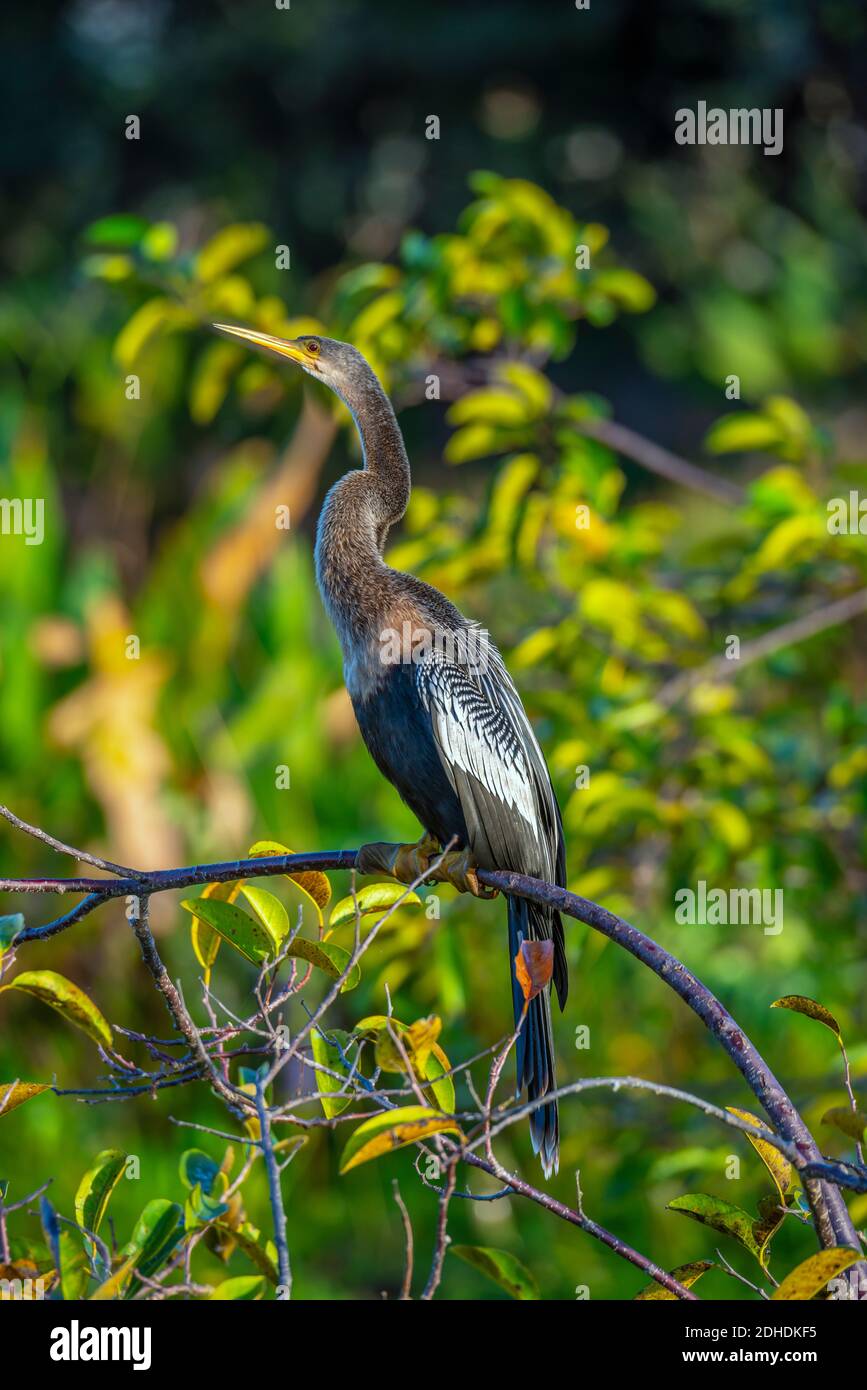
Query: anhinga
point(450, 733)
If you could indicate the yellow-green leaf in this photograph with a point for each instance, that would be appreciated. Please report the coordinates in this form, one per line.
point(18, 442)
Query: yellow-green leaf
point(424, 1052)
point(472, 442)
point(327, 1055)
point(314, 885)
point(96, 1187)
point(244, 1286)
point(848, 1121)
point(154, 316)
point(811, 1277)
point(74, 1271)
point(532, 384)
point(270, 911)
point(392, 1130)
point(211, 380)
point(117, 1283)
point(376, 897)
point(245, 933)
point(247, 1238)
point(724, 1217)
point(627, 288)
point(15, 1093)
point(801, 1004)
point(229, 248)
point(687, 1275)
point(328, 957)
point(741, 432)
point(779, 1167)
point(489, 406)
point(69, 1001)
point(500, 1266)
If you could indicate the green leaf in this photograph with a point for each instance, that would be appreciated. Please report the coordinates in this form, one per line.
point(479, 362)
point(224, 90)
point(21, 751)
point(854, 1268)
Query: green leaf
point(687, 1275)
point(199, 1209)
point(157, 1232)
point(15, 1093)
point(811, 1277)
point(244, 1286)
point(800, 1004)
point(9, 928)
point(270, 911)
point(198, 1168)
point(500, 1266)
point(393, 1129)
point(206, 941)
point(69, 1001)
point(245, 933)
point(96, 1187)
point(327, 1055)
point(120, 229)
point(376, 897)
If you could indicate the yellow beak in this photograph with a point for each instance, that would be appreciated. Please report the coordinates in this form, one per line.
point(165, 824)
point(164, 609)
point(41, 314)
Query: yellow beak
point(283, 347)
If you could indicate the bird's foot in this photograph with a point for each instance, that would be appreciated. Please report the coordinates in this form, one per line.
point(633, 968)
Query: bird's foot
point(411, 863)
point(406, 863)
point(459, 869)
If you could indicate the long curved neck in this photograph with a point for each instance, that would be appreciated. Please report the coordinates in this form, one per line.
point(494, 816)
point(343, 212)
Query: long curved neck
point(383, 449)
point(356, 517)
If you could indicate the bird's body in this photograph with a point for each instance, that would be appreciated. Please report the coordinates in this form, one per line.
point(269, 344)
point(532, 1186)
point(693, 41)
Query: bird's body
point(434, 702)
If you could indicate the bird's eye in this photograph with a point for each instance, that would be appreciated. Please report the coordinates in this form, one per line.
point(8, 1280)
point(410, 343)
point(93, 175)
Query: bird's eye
point(312, 347)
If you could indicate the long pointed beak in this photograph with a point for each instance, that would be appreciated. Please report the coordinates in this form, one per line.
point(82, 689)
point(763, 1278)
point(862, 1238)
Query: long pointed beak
point(282, 347)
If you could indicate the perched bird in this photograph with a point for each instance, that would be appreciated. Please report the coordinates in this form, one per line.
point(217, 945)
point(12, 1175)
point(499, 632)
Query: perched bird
point(439, 714)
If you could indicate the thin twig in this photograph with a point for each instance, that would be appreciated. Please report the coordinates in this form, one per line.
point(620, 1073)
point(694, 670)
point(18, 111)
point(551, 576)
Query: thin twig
point(278, 1210)
point(722, 668)
point(406, 1287)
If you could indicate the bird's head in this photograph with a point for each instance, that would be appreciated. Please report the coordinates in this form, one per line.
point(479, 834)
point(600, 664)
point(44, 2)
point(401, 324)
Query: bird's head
point(337, 365)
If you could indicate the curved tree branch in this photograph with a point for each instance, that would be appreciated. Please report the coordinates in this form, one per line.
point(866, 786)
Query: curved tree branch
point(833, 1223)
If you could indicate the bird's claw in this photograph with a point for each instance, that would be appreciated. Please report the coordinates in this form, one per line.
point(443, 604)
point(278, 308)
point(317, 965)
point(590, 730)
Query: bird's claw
point(406, 863)
point(412, 863)
point(459, 869)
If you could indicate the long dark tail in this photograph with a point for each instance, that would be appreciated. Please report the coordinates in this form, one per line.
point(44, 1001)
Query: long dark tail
point(535, 1047)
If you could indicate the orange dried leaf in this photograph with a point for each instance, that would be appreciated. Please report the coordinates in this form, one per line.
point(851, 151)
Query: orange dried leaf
point(534, 966)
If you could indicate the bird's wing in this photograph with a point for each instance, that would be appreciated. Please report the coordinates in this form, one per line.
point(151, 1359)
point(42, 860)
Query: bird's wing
point(494, 763)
